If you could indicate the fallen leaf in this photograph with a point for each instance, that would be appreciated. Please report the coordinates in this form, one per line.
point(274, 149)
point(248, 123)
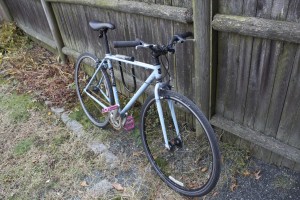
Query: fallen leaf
point(233, 184)
point(246, 173)
point(204, 169)
point(233, 187)
point(138, 153)
point(49, 113)
point(257, 175)
point(84, 184)
point(215, 194)
point(118, 186)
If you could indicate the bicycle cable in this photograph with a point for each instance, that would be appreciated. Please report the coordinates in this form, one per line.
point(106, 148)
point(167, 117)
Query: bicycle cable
point(166, 68)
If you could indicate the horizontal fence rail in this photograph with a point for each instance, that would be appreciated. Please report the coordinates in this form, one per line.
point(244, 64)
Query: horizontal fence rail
point(258, 27)
point(179, 14)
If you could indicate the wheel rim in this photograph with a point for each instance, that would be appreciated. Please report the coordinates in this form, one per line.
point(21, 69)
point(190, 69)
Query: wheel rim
point(98, 88)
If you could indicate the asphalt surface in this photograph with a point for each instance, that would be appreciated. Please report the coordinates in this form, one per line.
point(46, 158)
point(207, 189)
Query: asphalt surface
point(276, 183)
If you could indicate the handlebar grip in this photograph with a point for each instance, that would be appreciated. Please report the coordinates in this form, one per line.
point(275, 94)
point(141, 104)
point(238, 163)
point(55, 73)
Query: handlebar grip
point(123, 44)
point(185, 35)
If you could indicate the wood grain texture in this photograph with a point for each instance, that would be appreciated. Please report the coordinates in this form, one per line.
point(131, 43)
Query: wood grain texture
point(258, 27)
point(257, 138)
point(179, 14)
point(202, 31)
point(4, 12)
point(30, 14)
point(254, 73)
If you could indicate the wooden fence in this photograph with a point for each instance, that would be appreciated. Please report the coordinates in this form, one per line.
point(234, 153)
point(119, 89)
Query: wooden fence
point(258, 81)
point(242, 70)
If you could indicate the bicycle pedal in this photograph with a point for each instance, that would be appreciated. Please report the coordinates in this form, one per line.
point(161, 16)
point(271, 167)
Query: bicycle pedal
point(110, 108)
point(129, 124)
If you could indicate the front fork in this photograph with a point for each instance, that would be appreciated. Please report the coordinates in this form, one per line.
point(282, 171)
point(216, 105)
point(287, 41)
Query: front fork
point(158, 87)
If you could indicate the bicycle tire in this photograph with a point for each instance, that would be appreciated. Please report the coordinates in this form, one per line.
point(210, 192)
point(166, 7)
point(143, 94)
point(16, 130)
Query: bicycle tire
point(85, 67)
point(200, 158)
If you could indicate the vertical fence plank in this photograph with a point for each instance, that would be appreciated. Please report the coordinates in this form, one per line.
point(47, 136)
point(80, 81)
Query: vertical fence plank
point(5, 12)
point(285, 11)
point(184, 66)
point(202, 30)
point(54, 29)
point(249, 9)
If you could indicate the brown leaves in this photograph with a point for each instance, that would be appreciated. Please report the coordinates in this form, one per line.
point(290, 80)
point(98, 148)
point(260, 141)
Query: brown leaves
point(84, 184)
point(246, 173)
point(234, 184)
point(38, 71)
point(204, 169)
point(257, 175)
point(118, 186)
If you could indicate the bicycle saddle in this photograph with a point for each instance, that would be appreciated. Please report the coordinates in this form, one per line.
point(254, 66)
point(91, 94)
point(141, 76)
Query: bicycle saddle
point(97, 25)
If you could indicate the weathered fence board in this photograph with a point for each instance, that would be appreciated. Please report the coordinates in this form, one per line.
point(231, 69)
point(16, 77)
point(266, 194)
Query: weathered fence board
point(81, 39)
point(257, 138)
point(4, 12)
point(30, 16)
point(179, 14)
point(257, 61)
point(258, 27)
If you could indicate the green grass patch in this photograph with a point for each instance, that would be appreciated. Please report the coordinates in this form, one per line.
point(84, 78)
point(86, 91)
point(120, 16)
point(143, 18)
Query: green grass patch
point(79, 115)
point(19, 106)
point(236, 158)
point(284, 181)
point(60, 139)
point(23, 146)
point(162, 164)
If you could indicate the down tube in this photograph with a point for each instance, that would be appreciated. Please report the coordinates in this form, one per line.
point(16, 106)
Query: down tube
point(139, 92)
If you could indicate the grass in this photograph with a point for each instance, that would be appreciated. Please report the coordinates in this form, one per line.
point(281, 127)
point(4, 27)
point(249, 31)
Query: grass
point(23, 146)
point(283, 181)
point(79, 115)
point(19, 105)
point(237, 160)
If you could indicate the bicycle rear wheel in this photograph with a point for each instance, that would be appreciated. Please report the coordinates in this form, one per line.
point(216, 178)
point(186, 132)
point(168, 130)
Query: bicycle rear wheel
point(99, 89)
point(192, 166)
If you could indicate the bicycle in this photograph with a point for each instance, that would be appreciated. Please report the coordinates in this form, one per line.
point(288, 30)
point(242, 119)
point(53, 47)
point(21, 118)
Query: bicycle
point(178, 140)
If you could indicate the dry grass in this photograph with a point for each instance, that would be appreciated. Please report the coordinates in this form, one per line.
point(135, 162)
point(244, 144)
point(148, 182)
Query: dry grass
point(35, 68)
point(43, 160)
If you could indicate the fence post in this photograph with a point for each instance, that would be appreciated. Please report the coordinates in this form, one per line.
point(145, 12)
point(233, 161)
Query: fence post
point(4, 10)
point(54, 29)
point(202, 51)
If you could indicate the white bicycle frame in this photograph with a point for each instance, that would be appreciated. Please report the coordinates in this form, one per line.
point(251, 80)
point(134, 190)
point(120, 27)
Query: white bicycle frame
point(155, 75)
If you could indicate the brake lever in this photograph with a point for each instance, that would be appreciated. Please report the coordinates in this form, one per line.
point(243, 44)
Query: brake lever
point(144, 45)
point(180, 39)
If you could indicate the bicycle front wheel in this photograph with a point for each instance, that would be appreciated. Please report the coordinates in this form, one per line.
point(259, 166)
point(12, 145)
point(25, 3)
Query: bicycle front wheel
point(93, 88)
point(192, 166)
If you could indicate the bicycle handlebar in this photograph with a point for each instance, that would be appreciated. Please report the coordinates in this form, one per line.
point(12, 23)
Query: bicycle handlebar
point(156, 49)
point(121, 44)
point(185, 35)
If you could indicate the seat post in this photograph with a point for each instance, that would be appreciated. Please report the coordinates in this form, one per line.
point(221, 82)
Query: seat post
point(107, 51)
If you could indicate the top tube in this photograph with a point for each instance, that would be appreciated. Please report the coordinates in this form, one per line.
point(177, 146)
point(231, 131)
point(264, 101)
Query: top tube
point(137, 63)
